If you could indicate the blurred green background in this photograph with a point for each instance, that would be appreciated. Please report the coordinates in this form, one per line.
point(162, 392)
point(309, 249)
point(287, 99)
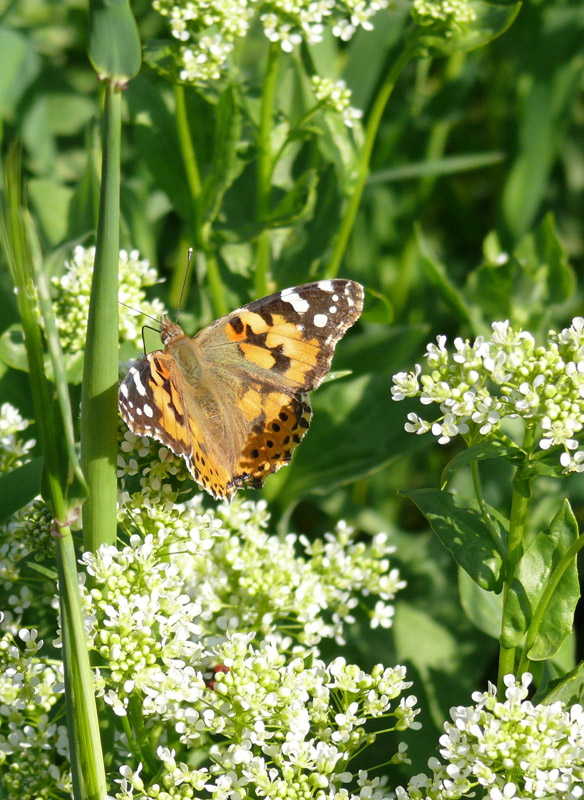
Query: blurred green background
point(472, 213)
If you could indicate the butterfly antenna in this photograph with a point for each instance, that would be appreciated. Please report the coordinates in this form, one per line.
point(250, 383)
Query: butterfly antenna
point(182, 291)
point(157, 321)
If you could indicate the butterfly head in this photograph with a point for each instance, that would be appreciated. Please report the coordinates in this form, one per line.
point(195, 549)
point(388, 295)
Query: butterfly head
point(170, 330)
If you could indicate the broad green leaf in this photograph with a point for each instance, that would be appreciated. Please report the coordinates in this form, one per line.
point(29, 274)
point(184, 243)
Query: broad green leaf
point(545, 105)
point(569, 689)
point(39, 139)
point(459, 524)
point(12, 349)
point(156, 139)
point(482, 452)
point(483, 608)
point(306, 246)
point(438, 277)
point(538, 566)
point(113, 41)
point(356, 430)
point(50, 200)
point(490, 22)
point(412, 626)
point(19, 66)
point(224, 165)
point(523, 287)
point(296, 204)
point(377, 308)
point(542, 249)
point(19, 487)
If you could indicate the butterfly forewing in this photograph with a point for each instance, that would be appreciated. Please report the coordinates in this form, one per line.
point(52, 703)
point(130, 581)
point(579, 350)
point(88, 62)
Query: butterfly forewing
point(290, 335)
point(232, 401)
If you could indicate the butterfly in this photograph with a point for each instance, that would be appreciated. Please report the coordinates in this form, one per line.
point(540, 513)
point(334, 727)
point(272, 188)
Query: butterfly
point(232, 400)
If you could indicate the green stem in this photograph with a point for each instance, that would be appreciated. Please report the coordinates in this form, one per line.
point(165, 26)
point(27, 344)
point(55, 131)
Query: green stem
point(519, 506)
point(187, 149)
point(264, 177)
point(371, 129)
point(200, 232)
point(99, 418)
point(87, 768)
point(142, 737)
point(548, 593)
point(491, 527)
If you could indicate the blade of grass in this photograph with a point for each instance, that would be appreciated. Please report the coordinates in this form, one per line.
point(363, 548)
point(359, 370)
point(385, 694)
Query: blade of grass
point(64, 484)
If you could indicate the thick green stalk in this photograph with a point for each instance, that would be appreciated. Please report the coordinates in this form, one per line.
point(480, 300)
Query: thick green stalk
point(63, 488)
point(264, 177)
point(82, 722)
point(371, 129)
point(200, 232)
point(519, 506)
point(99, 415)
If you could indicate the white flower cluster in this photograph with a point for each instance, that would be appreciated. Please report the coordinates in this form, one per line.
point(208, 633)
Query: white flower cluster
point(208, 29)
point(481, 383)
point(192, 575)
point(506, 750)
point(449, 12)
point(335, 96)
point(74, 288)
point(291, 22)
point(13, 450)
point(31, 744)
point(149, 473)
point(212, 627)
point(289, 729)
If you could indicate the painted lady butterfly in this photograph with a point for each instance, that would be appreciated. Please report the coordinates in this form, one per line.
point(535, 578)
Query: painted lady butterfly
point(232, 400)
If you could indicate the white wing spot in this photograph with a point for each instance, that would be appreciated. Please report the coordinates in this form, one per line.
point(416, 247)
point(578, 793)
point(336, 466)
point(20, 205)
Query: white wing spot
point(299, 304)
point(139, 411)
point(124, 389)
point(130, 404)
point(320, 320)
point(335, 298)
point(333, 310)
point(326, 286)
point(137, 382)
point(147, 410)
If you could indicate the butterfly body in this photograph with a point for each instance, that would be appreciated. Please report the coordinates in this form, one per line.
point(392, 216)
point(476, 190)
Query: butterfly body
point(232, 400)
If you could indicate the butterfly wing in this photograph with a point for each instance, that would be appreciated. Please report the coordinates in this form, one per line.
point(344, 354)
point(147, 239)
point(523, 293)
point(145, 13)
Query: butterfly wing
point(153, 402)
point(272, 352)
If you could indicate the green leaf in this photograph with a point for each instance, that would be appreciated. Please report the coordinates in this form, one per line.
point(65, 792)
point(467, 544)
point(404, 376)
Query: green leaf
point(528, 601)
point(569, 689)
point(546, 106)
point(297, 204)
point(438, 277)
point(377, 309)
point(440, 39)
point(355, 431)
point(459, 524)
point(50, 200)
point(524, 288)
point(12, 349)
point(113, 41)
point(19, 66)
point(224, 165)
point(483, 608)
point(154, 129)
point(19, 487)
point(481, 452)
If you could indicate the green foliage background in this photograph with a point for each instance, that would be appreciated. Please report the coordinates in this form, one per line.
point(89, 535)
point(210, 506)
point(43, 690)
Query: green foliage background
point(478, 155)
